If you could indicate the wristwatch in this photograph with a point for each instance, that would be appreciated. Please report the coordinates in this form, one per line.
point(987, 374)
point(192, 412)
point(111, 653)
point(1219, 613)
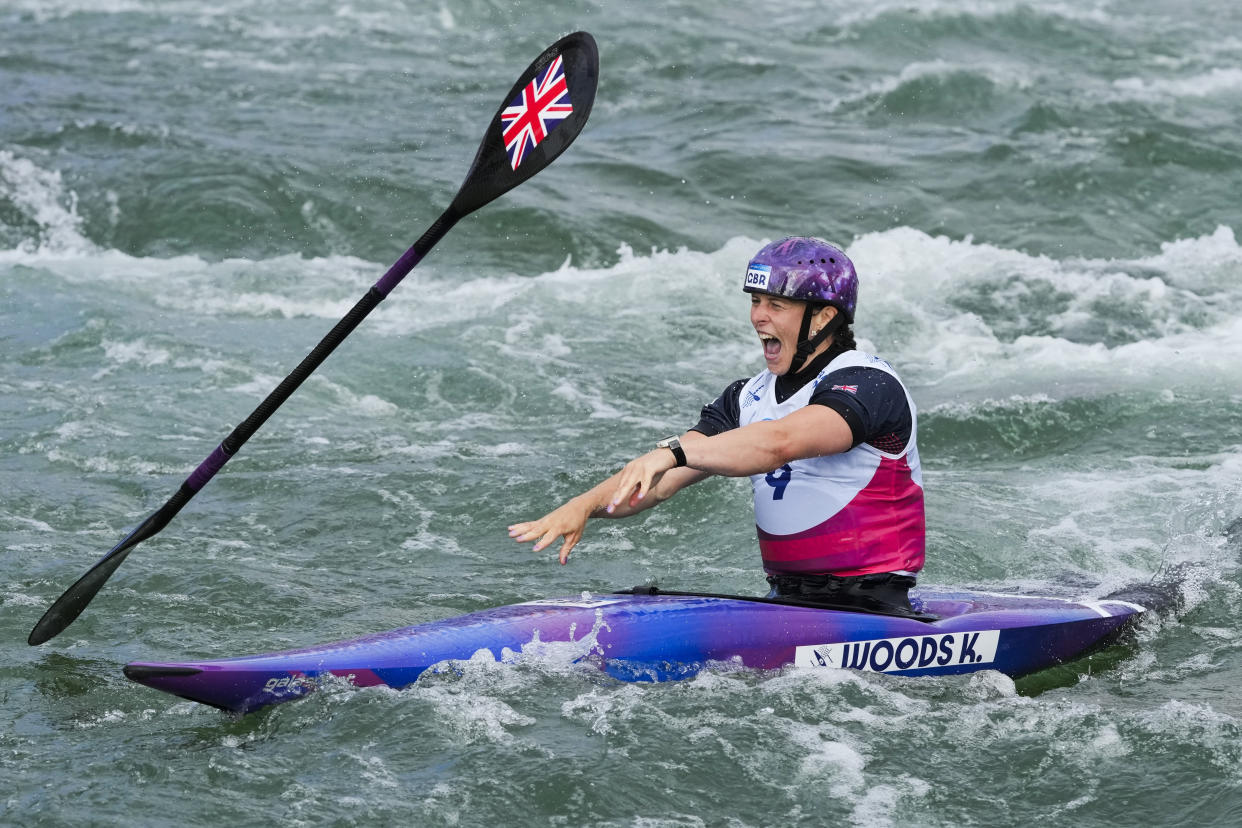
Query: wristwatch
point(674, 445)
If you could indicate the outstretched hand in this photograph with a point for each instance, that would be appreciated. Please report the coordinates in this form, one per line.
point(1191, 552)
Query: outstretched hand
point(568, 522)
point(625, 493)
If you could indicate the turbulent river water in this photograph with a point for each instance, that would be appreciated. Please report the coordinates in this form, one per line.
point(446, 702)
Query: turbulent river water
point(1042, 202)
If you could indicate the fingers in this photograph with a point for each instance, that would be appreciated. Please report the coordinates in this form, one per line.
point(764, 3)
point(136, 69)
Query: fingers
point(571, 540)
point(526, 532)
point(563, 523)
point(623, 488)
point(523, 532)
point(634, 496)
point(636, 480)
point(548, 537)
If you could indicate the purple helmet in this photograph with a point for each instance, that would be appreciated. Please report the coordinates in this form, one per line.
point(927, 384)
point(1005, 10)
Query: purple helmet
point(807, 269)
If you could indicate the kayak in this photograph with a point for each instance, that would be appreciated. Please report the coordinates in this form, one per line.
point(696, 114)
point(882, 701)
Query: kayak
point(649, 635)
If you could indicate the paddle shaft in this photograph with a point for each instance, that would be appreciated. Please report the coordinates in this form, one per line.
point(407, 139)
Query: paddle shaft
point(378, 292)
point(71, 604)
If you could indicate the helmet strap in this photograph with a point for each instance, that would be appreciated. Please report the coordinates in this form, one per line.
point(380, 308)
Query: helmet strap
point(807, 346)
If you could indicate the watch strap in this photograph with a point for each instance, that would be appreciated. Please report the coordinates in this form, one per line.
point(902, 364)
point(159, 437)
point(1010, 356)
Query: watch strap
point(673, 444)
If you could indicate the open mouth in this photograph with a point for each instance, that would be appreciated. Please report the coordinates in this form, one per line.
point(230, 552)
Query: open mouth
point(771, 346)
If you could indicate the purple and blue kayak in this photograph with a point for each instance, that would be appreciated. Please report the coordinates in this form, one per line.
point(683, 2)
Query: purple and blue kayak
point(667, 636)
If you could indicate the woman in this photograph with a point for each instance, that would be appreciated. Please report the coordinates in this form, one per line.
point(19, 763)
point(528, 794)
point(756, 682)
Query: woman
point(825, 432)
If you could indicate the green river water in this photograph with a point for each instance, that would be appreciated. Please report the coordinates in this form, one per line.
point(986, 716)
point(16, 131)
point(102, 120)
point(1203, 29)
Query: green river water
point(1041, 199)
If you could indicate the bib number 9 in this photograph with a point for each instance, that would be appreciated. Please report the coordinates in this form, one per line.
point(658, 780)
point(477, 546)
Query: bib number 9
point(778, 480)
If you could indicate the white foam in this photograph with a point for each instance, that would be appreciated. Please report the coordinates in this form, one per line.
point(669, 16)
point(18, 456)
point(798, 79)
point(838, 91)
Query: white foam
point(591, 398)
point(1115, 522)
point(1199, 724)
point(32, 523)
point(882, 804)
point(41, 195)
point(373, 770)
point(831, 761)
point(909, 280)
point(265, 304)
point(366, 404)
point(1217, 81)
point(45, 10)
point(509, 449)
point(854, 14)
point(137, 351)
point(101, 719)
point(1188, 297)
point(989, 685)
point(1207, 264)
point(598, 709)
point(110, 465)
point(325, 287)
point(21, 599)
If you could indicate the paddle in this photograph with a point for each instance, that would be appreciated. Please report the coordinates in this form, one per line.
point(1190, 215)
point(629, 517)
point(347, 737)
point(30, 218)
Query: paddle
point(541, 116)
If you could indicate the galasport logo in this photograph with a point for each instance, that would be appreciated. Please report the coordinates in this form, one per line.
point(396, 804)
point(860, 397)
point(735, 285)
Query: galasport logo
point(585, 602)
point(916, 652)
point(288, 684)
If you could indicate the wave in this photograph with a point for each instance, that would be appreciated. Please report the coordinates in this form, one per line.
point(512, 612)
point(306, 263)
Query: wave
point(924, 88)
point(956, 313)
point(43, 217)
point(964, 312)
point(979, 10)
point(1217, 81)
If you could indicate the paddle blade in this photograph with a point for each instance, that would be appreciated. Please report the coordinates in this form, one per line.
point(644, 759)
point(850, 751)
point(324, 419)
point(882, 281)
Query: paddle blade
point(70, 605)
point(540, 117)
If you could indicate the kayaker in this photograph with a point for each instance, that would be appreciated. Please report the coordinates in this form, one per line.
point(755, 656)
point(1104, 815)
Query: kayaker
point(825, 432)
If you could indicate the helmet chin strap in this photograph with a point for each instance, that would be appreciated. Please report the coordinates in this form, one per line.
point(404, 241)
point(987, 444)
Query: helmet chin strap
point(807, 346)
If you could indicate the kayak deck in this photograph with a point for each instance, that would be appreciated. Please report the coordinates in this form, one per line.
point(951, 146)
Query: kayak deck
point(664, 637)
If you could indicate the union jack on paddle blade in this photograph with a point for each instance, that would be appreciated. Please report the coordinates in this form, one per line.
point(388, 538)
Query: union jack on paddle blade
point(538, 108)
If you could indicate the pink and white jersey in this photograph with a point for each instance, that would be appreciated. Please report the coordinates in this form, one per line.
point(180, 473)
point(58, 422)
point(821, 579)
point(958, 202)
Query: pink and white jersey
point(854, 513)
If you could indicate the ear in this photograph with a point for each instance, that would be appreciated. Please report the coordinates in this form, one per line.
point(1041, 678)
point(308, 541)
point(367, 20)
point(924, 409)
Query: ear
point(823, 316)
